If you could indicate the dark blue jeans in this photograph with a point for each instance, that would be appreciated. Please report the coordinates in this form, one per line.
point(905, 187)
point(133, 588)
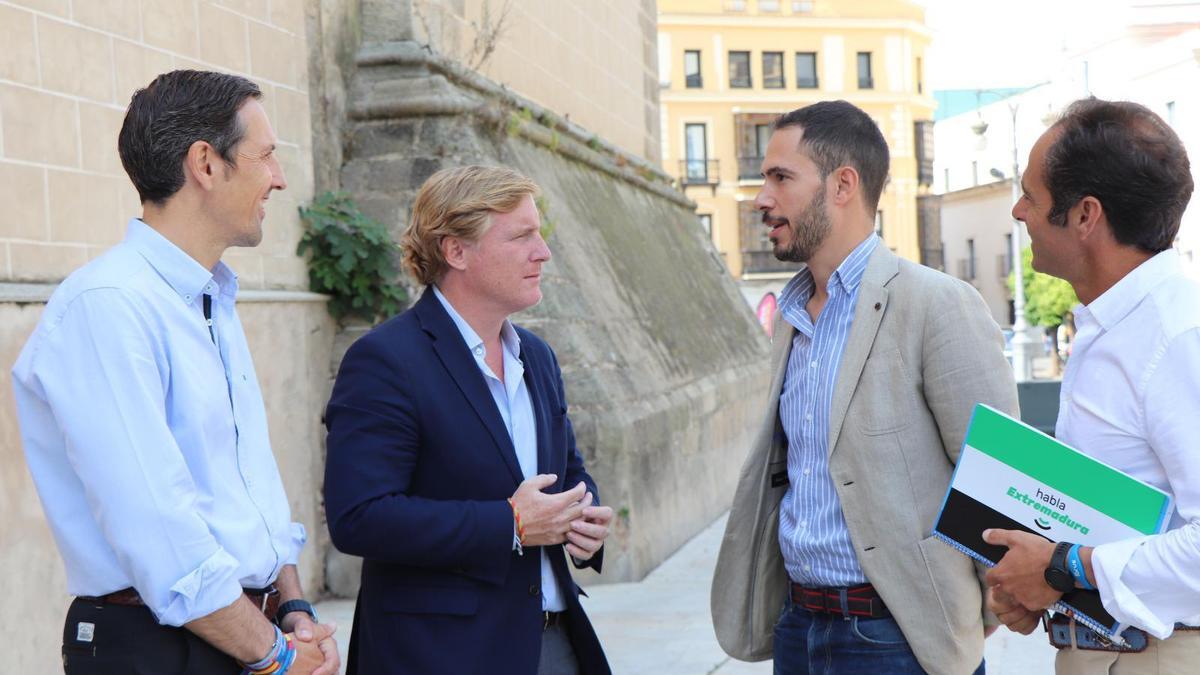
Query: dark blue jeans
point(816, 643)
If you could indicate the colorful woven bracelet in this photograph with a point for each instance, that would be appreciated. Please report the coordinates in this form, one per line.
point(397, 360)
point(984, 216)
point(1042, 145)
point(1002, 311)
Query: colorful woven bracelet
point(517, 517)
point(277, 662)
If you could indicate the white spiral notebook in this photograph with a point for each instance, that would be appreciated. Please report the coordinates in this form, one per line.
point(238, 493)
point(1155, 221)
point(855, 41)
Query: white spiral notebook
point(1014, 477)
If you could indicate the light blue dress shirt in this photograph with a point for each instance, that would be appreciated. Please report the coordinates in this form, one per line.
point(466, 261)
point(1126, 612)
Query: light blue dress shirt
point(813, 535)
point(147, 437)
point(516, 409)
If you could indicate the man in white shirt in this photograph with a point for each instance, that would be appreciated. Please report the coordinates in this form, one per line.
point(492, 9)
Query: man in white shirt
point(1103, 197)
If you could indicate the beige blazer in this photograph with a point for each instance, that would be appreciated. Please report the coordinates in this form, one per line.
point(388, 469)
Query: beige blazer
point(922, 352)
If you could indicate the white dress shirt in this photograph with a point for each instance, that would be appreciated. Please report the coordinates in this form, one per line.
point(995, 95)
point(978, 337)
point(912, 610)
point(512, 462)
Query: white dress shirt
point(516, 409)
point(146, 434)
point(1131, 399)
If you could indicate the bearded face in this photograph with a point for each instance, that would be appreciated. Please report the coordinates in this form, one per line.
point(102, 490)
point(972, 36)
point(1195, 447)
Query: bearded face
point(797, 238)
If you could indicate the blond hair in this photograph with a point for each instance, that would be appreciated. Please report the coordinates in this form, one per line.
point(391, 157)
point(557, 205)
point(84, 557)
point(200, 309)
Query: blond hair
point(457, 203)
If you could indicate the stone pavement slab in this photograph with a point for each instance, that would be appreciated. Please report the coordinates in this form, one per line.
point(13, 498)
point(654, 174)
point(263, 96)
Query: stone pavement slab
point(662, 626)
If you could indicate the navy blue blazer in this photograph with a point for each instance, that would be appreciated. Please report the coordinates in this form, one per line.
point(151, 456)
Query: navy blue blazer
point(419, 467)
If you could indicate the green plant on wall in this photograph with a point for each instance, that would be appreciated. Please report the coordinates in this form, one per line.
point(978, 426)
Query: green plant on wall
point(517, 121)
point(543, 206)
point(351, 258)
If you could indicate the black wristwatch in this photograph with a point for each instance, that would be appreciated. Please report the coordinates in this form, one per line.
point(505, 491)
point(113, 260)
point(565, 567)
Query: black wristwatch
point(303, 606)
point(1058, 575)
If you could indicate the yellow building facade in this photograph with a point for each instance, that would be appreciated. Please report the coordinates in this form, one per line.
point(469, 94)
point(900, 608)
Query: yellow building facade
point(729, 67)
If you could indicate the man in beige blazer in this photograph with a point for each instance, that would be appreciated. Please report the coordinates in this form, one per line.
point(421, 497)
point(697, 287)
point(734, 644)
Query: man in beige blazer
point(878, 362)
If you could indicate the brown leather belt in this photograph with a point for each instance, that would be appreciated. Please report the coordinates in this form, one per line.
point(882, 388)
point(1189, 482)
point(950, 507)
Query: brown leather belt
point(852, 601)
point(265, 599)
point(552, 619)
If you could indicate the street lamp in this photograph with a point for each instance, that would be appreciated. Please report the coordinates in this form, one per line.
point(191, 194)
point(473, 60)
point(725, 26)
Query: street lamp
point(1022, 342)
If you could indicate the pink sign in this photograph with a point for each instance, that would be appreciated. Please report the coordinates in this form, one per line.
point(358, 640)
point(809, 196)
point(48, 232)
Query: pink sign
point(766, 313)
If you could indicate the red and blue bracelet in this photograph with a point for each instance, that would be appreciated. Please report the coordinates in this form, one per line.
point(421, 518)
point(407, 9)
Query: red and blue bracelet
point(277, 662)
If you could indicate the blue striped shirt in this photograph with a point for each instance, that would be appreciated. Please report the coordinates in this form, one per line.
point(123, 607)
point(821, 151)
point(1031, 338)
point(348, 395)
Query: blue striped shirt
point(812, 530)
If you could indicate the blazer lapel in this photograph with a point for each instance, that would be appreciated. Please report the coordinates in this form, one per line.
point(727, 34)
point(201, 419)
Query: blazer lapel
point(457, 360)
point(868, 313)
point(781, 348)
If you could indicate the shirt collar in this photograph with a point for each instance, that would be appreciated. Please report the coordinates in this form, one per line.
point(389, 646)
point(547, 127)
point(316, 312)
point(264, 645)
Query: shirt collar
point(1120, 299)
point(182, 272)
point(508, 335)
point(848, 276)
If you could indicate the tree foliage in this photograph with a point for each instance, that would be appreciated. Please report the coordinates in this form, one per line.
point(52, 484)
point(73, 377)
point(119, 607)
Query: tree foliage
point(1047, 298)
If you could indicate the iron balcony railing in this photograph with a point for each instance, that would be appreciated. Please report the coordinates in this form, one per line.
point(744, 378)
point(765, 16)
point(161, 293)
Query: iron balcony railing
point(764, 262)
point(698, 172)
point(750, 168)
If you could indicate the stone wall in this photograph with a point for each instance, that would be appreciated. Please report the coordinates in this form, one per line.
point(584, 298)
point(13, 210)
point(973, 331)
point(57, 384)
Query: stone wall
point(663, 362)
point(593, 62)
point(67, 72)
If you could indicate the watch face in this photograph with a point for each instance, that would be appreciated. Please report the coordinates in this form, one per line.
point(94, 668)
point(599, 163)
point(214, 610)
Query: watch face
point(1058, 579)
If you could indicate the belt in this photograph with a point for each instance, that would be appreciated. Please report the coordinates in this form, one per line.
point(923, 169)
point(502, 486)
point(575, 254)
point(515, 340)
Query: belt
point(552, 619)
point(1060, 627)
point(852, 601)
point(265, 599)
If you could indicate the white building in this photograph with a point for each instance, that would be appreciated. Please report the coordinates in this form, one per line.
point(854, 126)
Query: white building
point(1153, 58)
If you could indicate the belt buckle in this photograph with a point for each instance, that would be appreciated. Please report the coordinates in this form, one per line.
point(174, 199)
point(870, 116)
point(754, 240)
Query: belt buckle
point(271, 592)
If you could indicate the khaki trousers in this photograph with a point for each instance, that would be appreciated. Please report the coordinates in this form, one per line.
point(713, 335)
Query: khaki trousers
point(1177, 655)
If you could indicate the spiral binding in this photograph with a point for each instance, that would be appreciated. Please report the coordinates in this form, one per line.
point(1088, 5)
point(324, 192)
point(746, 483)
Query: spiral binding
point(1060, 606)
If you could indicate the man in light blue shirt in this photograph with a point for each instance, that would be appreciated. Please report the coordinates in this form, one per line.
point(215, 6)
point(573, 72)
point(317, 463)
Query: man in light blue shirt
point(141, 417)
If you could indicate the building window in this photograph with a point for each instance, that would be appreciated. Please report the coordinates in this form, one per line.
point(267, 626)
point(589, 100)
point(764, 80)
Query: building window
point(946, 177)
point(865, 81)
point(739, 70)
point(696, 152)
point(762, 136)
point(923, 145)
point(1008, 257)
point(691, 69)
point(773, 70)
point(802, 6)
point(879, 223)
point(768, 5)
point(735, 5)
point(971, 259)
point(920, 78)
point(706, 223)
point(806, 70)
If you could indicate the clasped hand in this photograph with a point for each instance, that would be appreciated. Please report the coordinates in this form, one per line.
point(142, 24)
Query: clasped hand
point(1017, 590)
point(316, 650)
point(567, 517)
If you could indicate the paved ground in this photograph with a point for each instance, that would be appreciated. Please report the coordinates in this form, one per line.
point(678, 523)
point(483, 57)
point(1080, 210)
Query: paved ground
point(661, 625)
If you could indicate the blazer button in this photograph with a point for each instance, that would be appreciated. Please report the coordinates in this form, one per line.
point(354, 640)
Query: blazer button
point(535, 590)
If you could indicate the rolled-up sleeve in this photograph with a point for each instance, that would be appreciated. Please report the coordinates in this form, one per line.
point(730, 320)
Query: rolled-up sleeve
point(103, 372)
point(299, 536)
point(1153, 582)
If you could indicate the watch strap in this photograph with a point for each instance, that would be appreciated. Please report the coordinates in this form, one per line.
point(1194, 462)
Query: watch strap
point(296, 606)
point(1058, 569)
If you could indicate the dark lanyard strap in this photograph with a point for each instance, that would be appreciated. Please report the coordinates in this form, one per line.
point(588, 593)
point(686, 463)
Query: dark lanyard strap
point(208, 316)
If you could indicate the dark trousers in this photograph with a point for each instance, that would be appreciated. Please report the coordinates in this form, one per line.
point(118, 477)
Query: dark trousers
point(817, 643)
point(101, 639)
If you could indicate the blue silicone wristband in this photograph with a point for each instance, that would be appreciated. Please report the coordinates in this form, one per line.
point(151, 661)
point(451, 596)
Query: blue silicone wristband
point(1075, 563)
